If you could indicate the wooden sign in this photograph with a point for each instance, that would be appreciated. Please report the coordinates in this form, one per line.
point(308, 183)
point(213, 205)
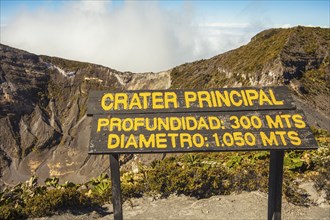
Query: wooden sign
point(188, 121)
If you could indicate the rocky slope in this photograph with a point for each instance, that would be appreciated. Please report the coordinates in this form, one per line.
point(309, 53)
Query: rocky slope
point(43, 127)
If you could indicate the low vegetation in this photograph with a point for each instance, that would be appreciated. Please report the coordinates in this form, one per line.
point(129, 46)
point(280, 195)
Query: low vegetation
point(68, 65)
point(195, 174)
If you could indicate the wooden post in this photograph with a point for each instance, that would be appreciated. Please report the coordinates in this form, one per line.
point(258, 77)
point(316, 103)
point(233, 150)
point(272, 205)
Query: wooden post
point(275, 184)
point(116, 191)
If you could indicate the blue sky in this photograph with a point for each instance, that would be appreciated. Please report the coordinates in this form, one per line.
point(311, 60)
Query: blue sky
point(315, 13)
point(147, 35)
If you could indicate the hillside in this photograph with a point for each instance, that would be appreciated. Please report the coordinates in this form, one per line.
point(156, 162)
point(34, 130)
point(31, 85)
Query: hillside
point(297, 57)
point(43, 127)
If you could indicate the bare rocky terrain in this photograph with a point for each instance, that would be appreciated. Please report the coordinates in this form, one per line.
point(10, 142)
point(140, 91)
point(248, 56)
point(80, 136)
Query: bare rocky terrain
point(247, 205)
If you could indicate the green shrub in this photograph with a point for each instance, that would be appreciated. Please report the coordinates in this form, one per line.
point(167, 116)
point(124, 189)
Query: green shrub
point(55, 200)
point(11, 212)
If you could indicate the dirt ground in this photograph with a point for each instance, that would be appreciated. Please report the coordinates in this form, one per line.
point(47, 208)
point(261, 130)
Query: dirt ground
point(252, 205)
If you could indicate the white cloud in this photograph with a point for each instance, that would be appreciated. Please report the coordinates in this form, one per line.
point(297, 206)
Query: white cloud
point(137, 37)
point(90, 6)
point(226, 25)
point(286, 26)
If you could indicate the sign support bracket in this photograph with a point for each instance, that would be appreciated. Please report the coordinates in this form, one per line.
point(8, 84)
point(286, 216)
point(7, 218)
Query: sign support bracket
point(275, 184)
point(116, 191)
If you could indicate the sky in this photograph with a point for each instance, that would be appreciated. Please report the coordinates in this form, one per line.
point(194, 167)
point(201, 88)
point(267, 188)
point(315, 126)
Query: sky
point(144, 36)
